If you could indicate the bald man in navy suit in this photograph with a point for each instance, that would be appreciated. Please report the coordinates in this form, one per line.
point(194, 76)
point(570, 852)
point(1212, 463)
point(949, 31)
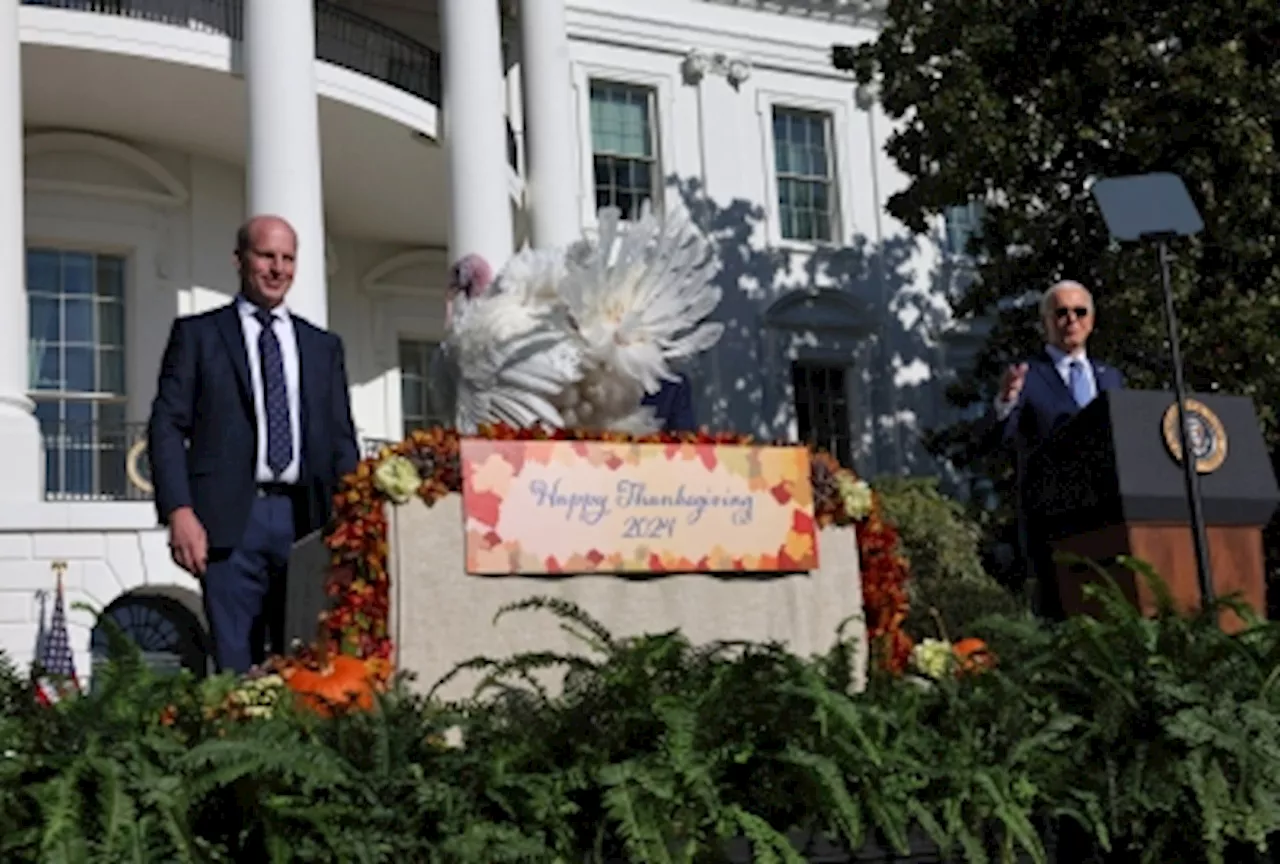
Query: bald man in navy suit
point(1036, 398)
point(250, 434)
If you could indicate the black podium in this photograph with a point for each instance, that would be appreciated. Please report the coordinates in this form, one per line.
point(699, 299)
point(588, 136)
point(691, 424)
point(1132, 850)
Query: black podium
point(1109, 482)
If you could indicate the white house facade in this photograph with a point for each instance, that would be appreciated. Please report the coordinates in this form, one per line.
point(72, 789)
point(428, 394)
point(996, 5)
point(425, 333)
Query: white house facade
point(397, 135)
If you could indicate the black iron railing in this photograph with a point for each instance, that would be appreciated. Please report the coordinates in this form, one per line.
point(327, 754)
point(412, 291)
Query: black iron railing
point(372, 446)
point(343, 37)
point(96, 462)
point(108, 462)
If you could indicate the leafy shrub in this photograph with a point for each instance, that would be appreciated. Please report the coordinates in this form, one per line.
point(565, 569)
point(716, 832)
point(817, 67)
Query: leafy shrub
point(943, 545)
point(1157, 740)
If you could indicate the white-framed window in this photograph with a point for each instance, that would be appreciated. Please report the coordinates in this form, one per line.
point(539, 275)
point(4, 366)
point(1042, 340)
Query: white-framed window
point(804, 168)
point(626, 167)
point(963, 223)
point(813, 142)
point(821, 396)
point(421, 406)
point(76, 355)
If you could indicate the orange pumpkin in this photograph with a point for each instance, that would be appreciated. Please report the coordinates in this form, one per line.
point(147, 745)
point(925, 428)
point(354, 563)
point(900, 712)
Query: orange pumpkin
point(973, 655)
point(341, 683)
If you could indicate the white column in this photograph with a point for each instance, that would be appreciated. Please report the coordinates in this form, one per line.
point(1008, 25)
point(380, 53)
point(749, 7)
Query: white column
point(20, 450)
point(283, 170)
point(550, 145)
point(475, 131)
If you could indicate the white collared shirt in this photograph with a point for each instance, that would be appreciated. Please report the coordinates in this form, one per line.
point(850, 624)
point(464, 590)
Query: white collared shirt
point(289, 356)
point(1062, 363)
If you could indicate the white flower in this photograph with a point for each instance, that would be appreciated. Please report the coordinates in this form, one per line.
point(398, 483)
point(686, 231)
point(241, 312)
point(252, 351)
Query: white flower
point(397, 478)
point(257, 697)
point(856, 495)
point(933, 657)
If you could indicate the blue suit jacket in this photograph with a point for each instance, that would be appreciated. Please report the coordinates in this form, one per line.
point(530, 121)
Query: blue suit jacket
point(202, 439)
point(1046, 403)
point(1043, 406)
point(673, 405)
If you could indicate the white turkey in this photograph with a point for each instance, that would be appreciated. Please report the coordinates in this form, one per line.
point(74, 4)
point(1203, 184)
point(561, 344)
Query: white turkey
point(576, 337)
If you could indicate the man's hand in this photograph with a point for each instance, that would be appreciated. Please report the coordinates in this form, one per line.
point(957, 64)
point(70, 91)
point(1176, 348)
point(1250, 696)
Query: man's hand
point(188, 544)
point(1011, 382)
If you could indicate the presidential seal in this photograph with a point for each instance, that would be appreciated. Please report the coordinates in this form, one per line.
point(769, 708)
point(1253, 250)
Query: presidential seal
point(1206, 435)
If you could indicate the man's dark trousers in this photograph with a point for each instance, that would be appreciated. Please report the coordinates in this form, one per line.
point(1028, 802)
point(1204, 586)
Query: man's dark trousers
point(244, 587)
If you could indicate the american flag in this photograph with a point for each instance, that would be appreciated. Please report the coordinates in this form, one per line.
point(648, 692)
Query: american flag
point(56, 666)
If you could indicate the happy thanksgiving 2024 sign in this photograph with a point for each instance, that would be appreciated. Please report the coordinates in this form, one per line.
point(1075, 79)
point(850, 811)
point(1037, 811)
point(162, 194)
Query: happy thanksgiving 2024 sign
point(564, 507)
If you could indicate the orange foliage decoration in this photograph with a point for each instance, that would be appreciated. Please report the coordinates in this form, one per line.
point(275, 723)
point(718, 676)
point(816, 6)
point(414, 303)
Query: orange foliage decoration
point(358, 585)
point(340, 683)
point(973, 656)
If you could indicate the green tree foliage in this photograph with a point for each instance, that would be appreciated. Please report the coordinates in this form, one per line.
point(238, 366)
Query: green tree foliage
point(1020, 104)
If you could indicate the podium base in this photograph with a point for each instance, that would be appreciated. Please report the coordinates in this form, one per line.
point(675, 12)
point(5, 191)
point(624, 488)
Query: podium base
point(1235, 555)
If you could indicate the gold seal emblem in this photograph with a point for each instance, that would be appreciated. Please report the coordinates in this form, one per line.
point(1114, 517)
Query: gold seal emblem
point(1205, 434)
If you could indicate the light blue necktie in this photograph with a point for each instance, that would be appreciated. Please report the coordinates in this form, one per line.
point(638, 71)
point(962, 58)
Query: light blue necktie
point(1079, 383)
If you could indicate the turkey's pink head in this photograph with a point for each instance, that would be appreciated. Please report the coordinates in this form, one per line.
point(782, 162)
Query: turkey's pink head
point(470, 275)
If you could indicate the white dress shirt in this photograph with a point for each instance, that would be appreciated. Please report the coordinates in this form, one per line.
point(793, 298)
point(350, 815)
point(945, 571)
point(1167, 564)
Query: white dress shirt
point(289, 355)
point(1062, 363)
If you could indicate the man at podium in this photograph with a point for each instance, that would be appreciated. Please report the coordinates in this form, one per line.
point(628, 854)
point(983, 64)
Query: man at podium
point(1036, 397)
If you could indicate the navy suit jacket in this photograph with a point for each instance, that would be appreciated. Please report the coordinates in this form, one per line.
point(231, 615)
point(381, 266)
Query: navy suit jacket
point(1043, 406)
point(1046, 403)
point(202, 439)
point(673, 405)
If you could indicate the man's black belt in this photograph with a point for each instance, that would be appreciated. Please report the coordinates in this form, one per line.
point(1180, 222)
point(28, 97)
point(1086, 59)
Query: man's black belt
point(278, 490)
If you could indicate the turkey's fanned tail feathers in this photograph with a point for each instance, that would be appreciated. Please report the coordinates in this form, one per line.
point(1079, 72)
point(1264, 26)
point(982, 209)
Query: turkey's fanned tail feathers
point(576, 337)
point(641, 292)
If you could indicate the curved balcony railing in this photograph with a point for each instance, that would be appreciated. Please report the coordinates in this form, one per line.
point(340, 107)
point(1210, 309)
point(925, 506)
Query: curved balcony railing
point(343, 37)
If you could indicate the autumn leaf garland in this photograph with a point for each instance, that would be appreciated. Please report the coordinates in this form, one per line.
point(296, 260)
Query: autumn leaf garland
point(427, 464)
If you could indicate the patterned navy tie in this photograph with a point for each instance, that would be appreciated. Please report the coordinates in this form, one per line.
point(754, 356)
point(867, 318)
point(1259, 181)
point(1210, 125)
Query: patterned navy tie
point(275, 396)
point(1080, 389)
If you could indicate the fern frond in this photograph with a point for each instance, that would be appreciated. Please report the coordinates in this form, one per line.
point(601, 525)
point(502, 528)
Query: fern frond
point(567, 611)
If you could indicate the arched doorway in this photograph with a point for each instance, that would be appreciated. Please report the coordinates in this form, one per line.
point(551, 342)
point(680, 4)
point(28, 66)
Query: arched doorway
point(167, 630)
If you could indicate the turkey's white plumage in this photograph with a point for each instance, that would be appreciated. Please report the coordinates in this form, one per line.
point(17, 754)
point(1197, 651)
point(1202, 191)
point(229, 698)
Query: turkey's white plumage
point(507, 361)
point(577, 337)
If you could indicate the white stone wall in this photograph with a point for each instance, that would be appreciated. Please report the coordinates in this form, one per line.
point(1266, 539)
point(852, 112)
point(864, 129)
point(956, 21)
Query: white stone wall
point(172, 209)
point(100, 567)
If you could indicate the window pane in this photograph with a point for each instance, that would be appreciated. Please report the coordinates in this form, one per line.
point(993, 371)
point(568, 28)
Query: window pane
point(804, 225)
point(77, 273)
point(110, 370)
point(78, 414)
point(818, 197)
point(77, 319)
point(822, 227)
point(77, 466)
point(111, 415)
point(42, 271)
point(411, 396)
point(620, 121)
point(110, 276)
point(48, 413)
point(410, 357)
point(46, 367)
point(110, 322)
point(80, 362)
point(822, 409)
point(42, 319)
point(113, 443)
